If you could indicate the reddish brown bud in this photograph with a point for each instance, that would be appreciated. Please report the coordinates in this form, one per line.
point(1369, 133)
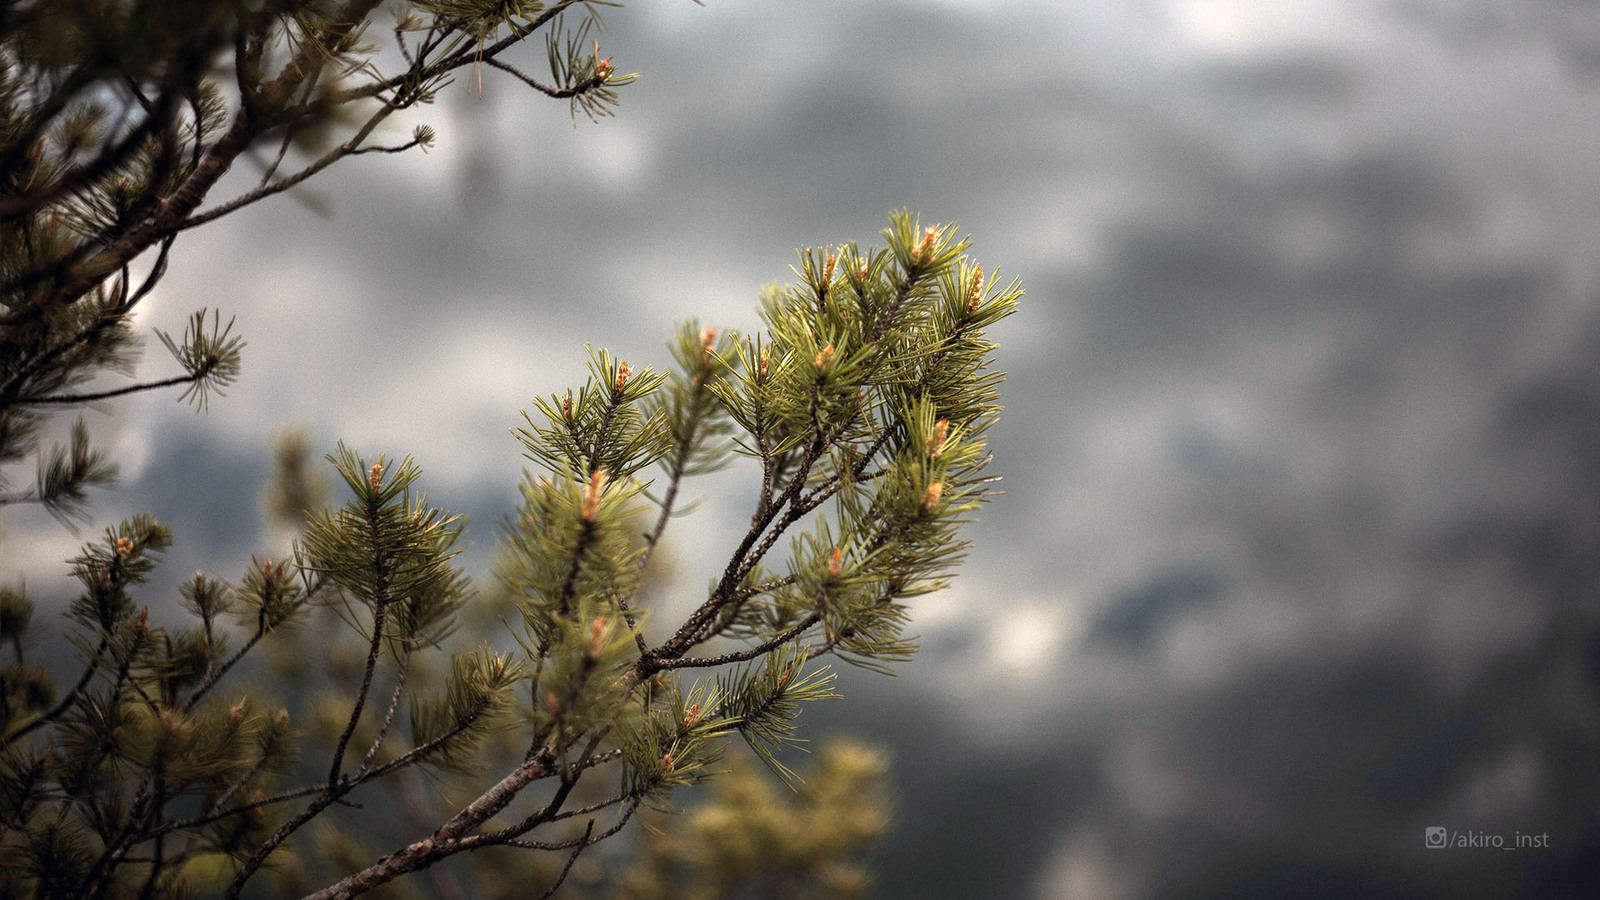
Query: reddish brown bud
point(934, 493)
point(692, 715)
point(623, 371)
point(835, 562)
point(591, 496)
point(123, 546)
point(375, 476)
point(975, 295)
point(941, 430)
point(924, 250)
point(602, 69)
point(824, 356)
point(566, 406)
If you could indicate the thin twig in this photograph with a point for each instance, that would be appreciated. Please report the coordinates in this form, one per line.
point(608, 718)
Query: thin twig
point(587, 831)
point(749, 653)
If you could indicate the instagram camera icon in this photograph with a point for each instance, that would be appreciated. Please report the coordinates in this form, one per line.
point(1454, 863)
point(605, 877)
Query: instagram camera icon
point(1435, 837)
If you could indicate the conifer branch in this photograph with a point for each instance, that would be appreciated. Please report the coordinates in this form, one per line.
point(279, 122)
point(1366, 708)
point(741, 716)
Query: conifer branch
point(566, 869)
point(380, 610)
point(388, 716)
point(567, 93)
point(743, 559)
point(39, 362)
point(263, 628)
point(745, 655)
point(67, 702)
point(189, 378)
point(351, 147)
point(108, 160)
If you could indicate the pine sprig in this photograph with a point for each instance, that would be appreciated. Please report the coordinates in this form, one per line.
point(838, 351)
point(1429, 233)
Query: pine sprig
point(766, 702)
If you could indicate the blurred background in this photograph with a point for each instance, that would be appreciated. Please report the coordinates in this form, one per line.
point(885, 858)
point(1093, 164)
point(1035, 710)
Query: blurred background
point(1300, 550)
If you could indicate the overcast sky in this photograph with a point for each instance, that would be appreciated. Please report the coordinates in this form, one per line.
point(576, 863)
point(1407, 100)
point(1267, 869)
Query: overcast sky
point(1298, 555)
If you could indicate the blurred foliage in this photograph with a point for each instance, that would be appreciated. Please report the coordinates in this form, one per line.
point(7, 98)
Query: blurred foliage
point(751, 836)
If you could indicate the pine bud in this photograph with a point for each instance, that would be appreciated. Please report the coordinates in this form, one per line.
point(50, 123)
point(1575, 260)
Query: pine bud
point(975, 296)
point(762, 365)
point(236, 712)
point(566, 406)
point(552, 703)
point(591, 497)
point(123, 546)
point(597, 633)
point(144, 619)
point(667, 763)
point(931, 498)
point(692, 715)
point(708, 340)
point(827, 270)
point(824, 356)
point(623, 371)
point(375, 476)
point(924, 250)
point(602, 69)
point(936, 440)
point(863, 273)
point(282, 721)
point(835, 562)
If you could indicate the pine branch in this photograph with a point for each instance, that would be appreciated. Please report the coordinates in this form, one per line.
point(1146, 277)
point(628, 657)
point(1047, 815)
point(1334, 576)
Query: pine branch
point(380, 609)
point(262, 630)
point(583, 843)
point(744, 558)
point(67, 702)
point(388, 716)
point(190, 378)
point(749, 653)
